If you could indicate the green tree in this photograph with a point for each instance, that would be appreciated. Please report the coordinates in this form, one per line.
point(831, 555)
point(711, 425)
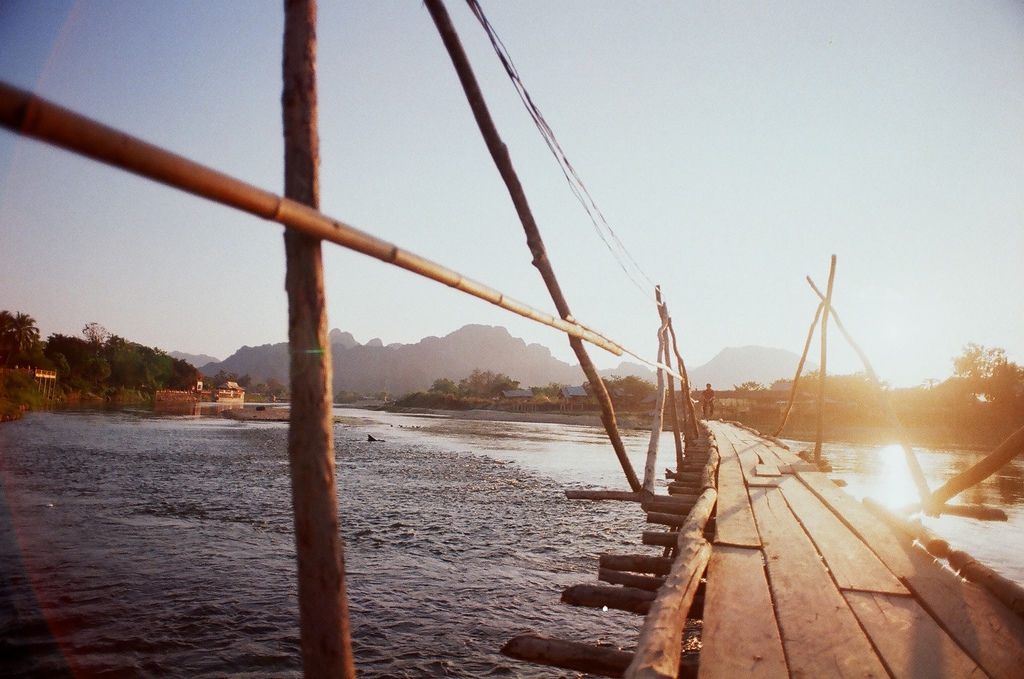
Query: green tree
point(95, 334)
point(978, 362)
point(629, 391)
point(749, 386)
point(443, 385)
point(987, 372)
point(485, 384)
point(19, 336)
point(552, 391)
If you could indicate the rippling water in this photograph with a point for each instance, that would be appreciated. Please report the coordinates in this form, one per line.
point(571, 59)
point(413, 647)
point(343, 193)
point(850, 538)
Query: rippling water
point(136, 545)
point(162, 546)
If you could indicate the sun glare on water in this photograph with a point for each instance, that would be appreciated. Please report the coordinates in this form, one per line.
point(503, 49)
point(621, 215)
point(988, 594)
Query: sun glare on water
point(893, 485)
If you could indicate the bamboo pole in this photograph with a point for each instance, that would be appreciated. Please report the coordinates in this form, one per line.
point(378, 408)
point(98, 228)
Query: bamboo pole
point(799, 370)
point(622, 495)
point(673, 409)
point(499, 153)
point(994, 461)
point(692, 434)
point(572, 655)
point(323, 608)
point(908, 452)
point(35, 117)
point(639, 563)
point(620, 598)
point(826, 306)
point(659, 645)
point(659, 414)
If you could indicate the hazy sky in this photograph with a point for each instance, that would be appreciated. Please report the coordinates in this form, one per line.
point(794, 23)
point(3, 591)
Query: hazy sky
point(733, 148)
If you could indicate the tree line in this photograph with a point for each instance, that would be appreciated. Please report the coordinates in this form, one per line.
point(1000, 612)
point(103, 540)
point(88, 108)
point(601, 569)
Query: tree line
point(98, 364)
point(483, 389)
point(983, 397)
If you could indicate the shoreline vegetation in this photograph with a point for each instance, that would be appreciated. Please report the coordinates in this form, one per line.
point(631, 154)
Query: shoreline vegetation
point(978, 407)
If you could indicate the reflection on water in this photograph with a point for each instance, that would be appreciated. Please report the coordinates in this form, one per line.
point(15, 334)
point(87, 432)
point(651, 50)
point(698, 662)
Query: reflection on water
point(881, 473)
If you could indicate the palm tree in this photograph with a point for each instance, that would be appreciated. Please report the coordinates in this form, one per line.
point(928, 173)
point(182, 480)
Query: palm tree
point(18, 333)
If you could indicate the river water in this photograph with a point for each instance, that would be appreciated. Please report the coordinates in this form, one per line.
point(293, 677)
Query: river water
point(141, 545)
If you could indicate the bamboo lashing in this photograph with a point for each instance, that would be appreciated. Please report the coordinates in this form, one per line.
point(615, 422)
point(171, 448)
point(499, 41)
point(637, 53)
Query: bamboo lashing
point(35, 117)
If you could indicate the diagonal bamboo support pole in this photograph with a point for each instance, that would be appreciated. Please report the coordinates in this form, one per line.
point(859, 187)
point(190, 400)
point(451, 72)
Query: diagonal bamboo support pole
point(994, 461)
point(799, 370)
point(692, 434)
point(499, 153)
point(912, 463)
point(323, 607)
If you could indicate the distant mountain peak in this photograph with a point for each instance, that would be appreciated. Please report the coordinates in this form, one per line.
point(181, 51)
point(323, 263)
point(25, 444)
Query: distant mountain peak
point(345, 339)
point(401, 368)
point(733, 366)
point(196, 360)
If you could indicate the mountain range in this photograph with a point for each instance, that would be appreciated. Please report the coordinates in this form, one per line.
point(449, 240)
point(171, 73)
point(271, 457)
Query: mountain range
point(402, 368)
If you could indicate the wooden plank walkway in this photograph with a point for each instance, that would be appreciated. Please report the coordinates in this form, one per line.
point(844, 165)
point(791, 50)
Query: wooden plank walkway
point(804, 581)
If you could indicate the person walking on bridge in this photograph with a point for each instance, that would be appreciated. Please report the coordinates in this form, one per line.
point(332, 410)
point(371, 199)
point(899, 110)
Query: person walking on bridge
point(707, 401)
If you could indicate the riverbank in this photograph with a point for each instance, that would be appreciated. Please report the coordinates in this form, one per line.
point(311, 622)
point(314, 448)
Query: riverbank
point(933, 437)
point(280, 414)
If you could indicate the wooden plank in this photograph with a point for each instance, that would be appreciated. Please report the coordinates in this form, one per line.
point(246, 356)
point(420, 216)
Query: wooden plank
point(908, 639)
point(741, 637)
point(852, 563)
point(820, 634)
point(776, 454)
point(762, 474)
point(748, 460)
point(984, 627)
point(734, 524)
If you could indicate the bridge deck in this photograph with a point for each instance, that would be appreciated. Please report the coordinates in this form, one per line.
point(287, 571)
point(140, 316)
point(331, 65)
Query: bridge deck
point(804, 581)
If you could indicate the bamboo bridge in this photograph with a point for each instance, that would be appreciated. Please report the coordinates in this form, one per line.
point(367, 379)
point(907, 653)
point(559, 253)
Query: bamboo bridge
point(789, 575)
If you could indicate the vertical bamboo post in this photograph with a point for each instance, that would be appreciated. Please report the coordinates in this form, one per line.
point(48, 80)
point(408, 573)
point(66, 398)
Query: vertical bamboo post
point(826, 304)
point(323, 609)
point(665, 319)
point(659, 413)
point(499, 153)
